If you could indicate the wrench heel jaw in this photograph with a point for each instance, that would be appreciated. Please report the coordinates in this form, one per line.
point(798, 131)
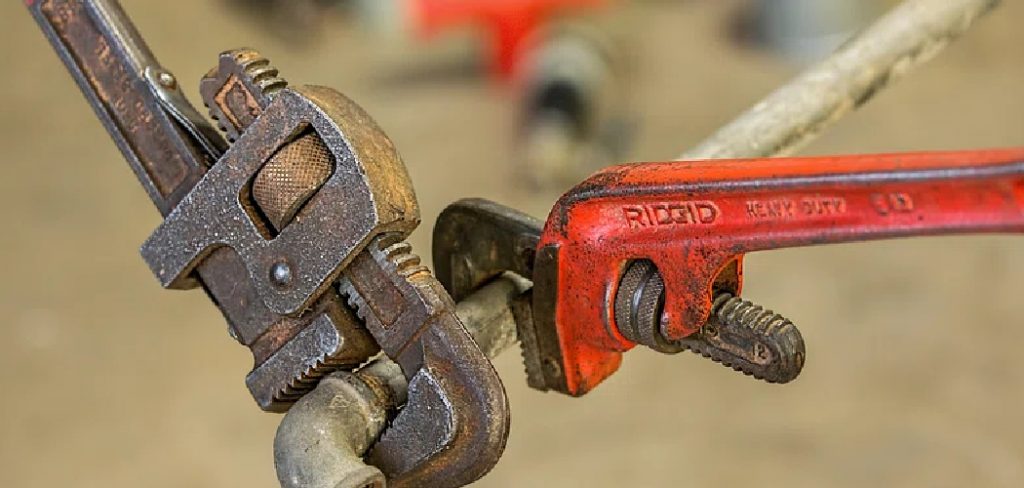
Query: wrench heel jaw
point(475, 240)
point(455, 424)
point(570, 360)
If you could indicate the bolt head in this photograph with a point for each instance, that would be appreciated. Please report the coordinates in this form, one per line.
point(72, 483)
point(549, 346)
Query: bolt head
point(281, 274)
point(166, 80)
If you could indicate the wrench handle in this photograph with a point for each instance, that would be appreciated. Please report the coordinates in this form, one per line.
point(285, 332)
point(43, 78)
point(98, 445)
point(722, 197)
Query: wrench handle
point(695, 221)
point(108, 59)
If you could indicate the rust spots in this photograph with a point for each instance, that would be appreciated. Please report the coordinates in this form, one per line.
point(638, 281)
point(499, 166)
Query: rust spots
point(238, 104)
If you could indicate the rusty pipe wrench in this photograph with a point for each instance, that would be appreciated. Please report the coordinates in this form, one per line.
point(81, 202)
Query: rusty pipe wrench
point(129, 92)
point(651, 253)
point(307, 209)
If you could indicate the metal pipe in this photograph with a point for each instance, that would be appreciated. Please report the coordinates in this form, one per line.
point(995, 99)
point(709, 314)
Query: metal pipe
point(790, 117)
point(322, 439)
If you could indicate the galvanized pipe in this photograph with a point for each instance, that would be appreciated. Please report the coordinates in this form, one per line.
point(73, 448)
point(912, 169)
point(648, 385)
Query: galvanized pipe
point(790, 117)
point(322, 439)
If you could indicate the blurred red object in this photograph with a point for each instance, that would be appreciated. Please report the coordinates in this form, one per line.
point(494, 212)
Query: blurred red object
point(510, 23)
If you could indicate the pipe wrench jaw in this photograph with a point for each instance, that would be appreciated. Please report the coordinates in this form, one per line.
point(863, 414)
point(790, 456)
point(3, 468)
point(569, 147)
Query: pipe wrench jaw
point(337, 219)
point(312, 195)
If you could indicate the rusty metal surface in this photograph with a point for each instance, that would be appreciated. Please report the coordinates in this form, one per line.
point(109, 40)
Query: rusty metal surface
point(848, 285)
point(750, 339)
point(239, 89)
point(323, 438)
point(475, 240)
point(168, 93)
point(291, 177)
point(369, 193)
point(108, 59)
point(639, 305)
point(490, 308)
point(309, 187)
point(131, 94)
point(455, 423)
point(292, 352)
point(739, 334)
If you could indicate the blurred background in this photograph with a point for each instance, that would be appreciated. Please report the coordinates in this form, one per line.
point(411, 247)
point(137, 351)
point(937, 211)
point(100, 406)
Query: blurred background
point(911, 379)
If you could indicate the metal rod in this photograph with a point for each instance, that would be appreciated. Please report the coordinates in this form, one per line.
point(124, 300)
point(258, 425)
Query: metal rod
point(790, 117)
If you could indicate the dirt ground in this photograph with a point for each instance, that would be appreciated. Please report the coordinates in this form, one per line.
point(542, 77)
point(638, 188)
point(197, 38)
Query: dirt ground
point(110, 381)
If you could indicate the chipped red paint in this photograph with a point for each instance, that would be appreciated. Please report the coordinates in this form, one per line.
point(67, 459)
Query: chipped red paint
point(695, 219)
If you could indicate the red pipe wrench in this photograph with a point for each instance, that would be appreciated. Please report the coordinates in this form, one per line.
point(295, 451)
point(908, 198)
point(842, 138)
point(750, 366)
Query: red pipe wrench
point(694, 221)
point(651, 253)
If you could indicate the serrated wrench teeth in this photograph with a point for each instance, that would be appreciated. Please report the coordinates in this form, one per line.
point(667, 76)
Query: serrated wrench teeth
point(750, 339)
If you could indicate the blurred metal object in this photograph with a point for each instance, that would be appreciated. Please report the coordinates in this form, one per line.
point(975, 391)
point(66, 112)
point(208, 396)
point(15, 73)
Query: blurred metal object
point(300, 23)
point(806, 30)
point(912, 33)
point(572, 107)
point(509, 24)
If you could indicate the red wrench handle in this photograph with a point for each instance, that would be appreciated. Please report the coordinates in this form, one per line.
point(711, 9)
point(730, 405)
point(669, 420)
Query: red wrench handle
point(695, 220)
